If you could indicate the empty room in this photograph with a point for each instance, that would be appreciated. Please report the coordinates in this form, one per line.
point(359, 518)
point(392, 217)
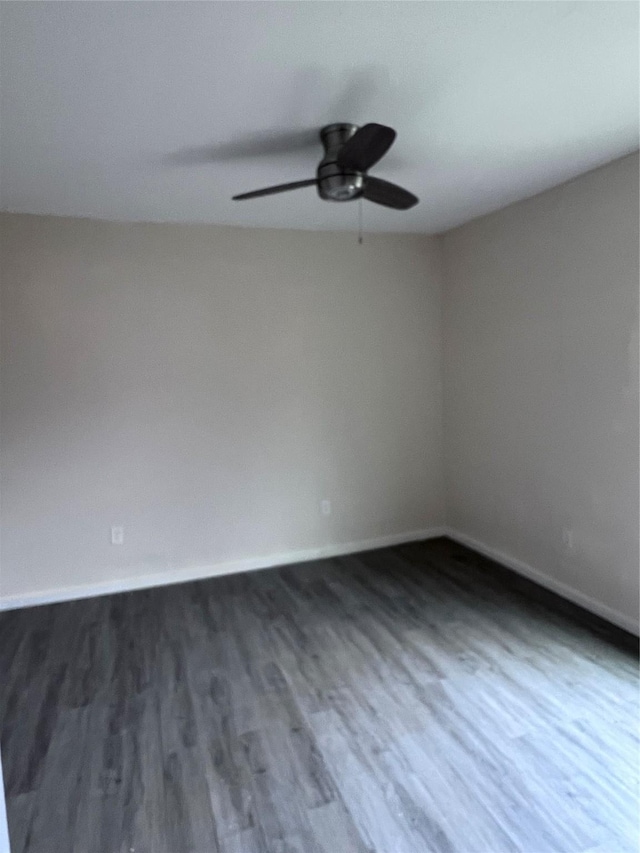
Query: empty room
point(319, 427)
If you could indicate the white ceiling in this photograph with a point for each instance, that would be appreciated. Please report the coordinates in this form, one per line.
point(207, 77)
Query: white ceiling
point(108, 109)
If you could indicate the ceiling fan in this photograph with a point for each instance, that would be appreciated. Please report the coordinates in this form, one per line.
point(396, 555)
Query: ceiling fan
point(349, 152)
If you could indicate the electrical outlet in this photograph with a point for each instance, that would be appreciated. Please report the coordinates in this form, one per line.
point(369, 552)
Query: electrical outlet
point(325, 507)
point(117, 535)
point(567, 538)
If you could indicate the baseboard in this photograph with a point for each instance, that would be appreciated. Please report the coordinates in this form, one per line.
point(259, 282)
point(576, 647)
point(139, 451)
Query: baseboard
point(191, 573)
point(144, 580)
point(562, 589)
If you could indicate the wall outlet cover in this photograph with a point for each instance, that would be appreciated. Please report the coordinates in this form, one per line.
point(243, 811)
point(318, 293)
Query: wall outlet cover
point(117, 535)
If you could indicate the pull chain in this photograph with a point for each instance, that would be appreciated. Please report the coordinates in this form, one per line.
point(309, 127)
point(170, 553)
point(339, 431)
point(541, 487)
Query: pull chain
point(360, 220)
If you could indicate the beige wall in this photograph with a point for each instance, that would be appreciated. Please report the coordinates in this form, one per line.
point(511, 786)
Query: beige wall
point(541, 384)
point(206, 388)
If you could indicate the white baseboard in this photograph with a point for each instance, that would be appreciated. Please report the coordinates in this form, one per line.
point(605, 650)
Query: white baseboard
point(191, 573)
point(563, 589)
point(144, 580)
point(4, 826)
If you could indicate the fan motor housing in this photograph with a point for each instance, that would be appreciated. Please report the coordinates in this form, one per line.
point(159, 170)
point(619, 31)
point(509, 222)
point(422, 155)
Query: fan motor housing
point(334, 183)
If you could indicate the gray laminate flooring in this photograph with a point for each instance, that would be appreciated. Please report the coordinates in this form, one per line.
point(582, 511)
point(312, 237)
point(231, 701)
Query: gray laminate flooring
point(412, 699)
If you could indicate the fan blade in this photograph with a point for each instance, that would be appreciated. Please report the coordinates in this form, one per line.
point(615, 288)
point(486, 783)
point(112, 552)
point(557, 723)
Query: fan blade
point(390, 195)
point(281, 188)
point(366, 147)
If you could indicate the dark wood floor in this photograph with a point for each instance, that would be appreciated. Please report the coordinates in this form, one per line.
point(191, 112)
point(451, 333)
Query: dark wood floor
point(412, 699)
